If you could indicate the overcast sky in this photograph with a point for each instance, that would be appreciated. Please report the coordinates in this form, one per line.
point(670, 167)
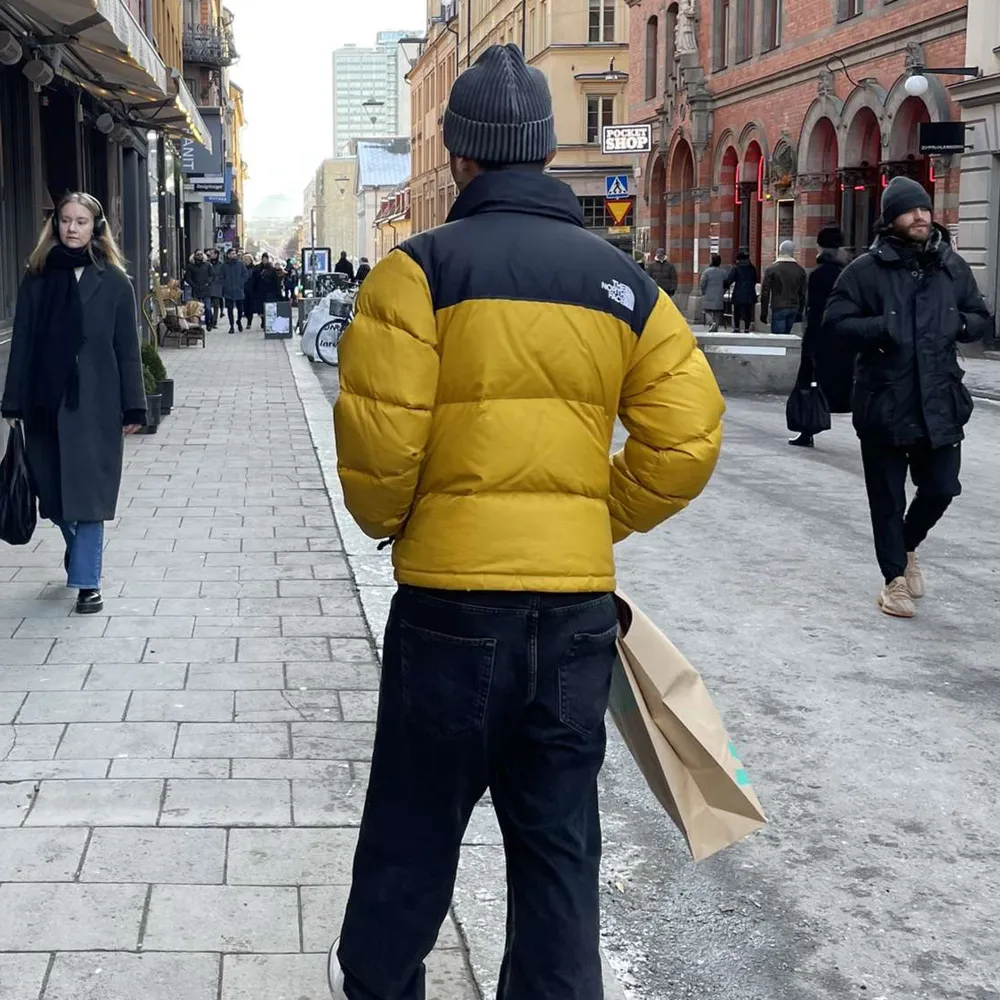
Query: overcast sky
point(286, 69)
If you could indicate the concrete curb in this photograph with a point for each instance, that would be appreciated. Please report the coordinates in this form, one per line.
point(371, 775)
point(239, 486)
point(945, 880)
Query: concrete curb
point(480, 894)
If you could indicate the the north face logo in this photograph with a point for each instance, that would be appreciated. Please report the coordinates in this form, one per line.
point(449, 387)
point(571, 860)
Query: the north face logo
point(620, 293)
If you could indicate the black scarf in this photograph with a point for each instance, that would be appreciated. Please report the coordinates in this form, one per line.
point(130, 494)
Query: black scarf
point(56, 337)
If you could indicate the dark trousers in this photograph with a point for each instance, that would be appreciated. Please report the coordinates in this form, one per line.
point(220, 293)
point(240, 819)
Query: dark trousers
point(234, 306)
point(897, 530)
point(209, 312)
point(742, 313)
point(498, 691)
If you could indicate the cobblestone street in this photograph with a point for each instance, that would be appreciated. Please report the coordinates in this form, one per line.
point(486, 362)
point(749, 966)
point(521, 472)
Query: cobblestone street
point(181, 779)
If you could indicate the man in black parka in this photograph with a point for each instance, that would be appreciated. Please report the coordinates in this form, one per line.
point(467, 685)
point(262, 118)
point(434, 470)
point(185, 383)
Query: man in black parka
point(904, 304)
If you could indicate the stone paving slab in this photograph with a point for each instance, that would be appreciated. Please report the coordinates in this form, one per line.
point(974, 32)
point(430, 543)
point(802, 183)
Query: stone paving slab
point(182, 776)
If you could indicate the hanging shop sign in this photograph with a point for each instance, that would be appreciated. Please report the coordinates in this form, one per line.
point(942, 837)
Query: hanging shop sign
point(627, 139)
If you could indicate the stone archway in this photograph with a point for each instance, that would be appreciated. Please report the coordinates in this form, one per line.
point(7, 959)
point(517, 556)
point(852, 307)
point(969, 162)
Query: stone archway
point(818, 181)
point(726, 178)
point(657, 204)
point(749, 200)
point(681, 214)
point(860, 179)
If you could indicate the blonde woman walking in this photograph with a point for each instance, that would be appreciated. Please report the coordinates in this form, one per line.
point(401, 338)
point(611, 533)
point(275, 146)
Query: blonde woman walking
point(75, 380)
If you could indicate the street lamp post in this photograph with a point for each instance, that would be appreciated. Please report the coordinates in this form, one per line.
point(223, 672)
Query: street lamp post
point(312, 244)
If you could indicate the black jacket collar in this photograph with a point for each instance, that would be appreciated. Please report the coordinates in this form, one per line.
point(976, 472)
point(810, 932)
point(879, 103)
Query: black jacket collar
point(518, 190)
point(887, 249)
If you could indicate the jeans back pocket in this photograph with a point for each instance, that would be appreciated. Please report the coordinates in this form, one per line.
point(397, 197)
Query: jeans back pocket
point(585, 679)
point(445, 680)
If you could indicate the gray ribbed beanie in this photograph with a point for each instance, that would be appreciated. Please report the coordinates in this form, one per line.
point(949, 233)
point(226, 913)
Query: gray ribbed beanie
point(903, 194)
point(500, 111)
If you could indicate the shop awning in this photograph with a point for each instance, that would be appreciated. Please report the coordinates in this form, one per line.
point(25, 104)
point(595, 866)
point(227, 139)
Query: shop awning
point(108, 54)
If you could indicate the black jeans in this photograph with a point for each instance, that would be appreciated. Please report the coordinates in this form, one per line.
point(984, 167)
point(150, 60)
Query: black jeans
point(499, 691)
point(742, 313)
point(897, 530)
point(234, 305)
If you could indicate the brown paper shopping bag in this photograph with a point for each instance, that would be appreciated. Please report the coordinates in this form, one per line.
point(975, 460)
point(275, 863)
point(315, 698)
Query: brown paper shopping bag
point(665, 715)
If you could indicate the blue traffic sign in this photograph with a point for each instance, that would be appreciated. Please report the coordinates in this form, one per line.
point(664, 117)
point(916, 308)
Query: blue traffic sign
point(617, 186)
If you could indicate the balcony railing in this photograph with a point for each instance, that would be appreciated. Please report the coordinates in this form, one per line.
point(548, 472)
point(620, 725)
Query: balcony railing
point(208, 45)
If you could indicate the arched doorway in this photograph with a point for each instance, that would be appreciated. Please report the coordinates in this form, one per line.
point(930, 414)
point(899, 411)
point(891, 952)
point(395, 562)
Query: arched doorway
point(905, 157)
point(680, 215)
point(860, 186)
point(658, 205)
point(822, 157)
point(728, 231)
point(749, 201)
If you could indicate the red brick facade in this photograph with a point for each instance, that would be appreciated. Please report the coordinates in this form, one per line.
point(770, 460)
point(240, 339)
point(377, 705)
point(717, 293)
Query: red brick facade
point(779, 143)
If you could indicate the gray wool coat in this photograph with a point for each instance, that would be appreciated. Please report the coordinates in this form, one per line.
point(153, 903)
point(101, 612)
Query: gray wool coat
point(77, 472)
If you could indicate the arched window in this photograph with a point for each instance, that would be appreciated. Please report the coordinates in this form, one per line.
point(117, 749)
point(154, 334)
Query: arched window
point(652, 51)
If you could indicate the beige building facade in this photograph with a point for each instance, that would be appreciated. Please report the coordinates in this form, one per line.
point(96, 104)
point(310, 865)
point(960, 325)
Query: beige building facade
point(329, 207)
point(582, 48)
point(430, 78)
point(979, 99)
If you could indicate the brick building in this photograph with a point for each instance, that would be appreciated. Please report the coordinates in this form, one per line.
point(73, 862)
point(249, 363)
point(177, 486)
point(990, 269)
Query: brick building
point(772, 118)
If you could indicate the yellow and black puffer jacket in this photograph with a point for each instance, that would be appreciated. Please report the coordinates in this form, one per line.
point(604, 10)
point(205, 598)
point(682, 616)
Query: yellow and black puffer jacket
point(479, 385)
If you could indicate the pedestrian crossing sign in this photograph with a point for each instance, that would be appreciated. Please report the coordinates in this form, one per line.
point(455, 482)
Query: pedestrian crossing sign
point(617, 186)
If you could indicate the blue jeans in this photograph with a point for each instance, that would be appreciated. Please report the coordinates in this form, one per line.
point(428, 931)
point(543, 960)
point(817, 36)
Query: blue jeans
point(782, 320)
point(85, 545)
point(500, 691)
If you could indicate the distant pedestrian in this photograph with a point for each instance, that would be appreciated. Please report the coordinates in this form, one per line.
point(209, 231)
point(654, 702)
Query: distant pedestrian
point(291, 282)
point(713, 292)
point(217, 297)
point(783, 291)
point(363, 270)
point(480, 385)
point(268, 287)
point(743, 280)
point(234, 281)
point(904, 304)
point(75, 381)
point(344, 266)
point(640, 258)
point(826, 360)
point(200, 275)
point(250, 307)
point(663, 272)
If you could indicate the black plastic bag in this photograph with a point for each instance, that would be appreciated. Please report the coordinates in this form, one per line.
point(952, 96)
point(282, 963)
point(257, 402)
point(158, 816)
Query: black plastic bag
point(807, 411)
point(18, 503)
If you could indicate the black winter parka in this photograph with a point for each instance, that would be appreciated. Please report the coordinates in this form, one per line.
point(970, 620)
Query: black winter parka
point(905, 307)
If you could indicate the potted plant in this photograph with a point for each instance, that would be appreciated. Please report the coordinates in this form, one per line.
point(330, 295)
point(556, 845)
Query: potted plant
point(153, 401)
point(164, 386)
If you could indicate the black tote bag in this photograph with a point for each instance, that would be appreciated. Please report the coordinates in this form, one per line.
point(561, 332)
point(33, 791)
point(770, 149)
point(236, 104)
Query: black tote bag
point(18, 503)
point(807, 411)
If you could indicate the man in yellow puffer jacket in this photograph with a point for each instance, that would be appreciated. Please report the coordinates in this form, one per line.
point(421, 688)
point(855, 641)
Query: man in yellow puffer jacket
point(480, 383)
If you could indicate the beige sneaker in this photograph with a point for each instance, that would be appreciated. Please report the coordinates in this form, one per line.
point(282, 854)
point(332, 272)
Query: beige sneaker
point(914, 578)
point(895, 599)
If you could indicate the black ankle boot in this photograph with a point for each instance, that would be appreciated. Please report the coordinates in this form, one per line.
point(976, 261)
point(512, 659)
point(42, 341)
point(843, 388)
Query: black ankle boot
point(803, 441)
point(90, 602)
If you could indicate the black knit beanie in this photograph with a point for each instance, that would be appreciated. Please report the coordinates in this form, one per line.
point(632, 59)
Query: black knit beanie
point(830, 238)
point(903, 195)
point(500, 111)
